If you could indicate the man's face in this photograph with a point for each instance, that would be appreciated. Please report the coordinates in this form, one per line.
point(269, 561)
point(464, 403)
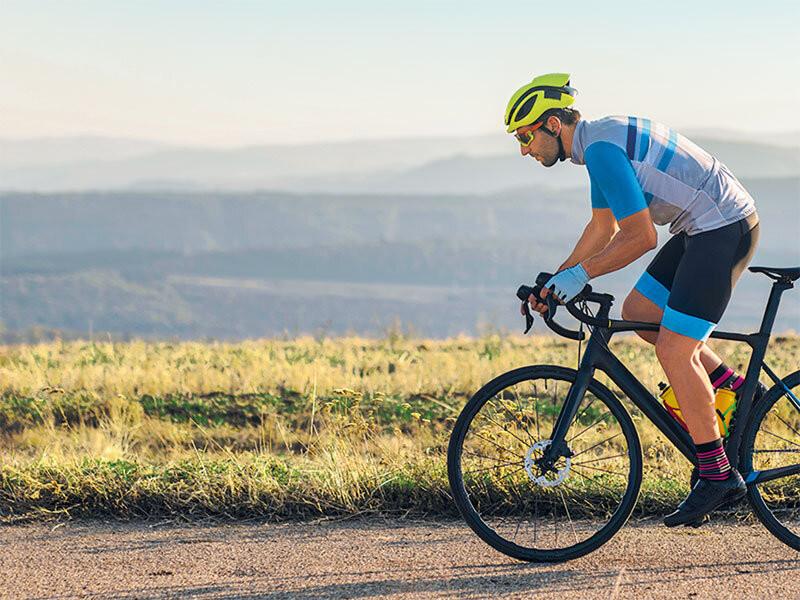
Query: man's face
point(543, 148)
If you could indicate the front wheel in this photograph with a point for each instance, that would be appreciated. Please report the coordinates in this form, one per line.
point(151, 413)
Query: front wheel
point(772, 440)
point(506, 491)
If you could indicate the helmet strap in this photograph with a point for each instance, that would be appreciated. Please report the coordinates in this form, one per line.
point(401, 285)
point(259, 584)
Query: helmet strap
point(562, 156)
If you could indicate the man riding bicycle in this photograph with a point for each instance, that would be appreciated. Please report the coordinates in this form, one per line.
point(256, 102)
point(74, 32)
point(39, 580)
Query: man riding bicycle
point(642, 172)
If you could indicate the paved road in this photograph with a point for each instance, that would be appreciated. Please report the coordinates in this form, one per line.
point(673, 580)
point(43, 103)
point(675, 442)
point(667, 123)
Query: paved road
point(379, 558)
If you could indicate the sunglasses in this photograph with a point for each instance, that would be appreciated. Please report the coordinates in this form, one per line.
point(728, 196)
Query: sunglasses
point(525, 139)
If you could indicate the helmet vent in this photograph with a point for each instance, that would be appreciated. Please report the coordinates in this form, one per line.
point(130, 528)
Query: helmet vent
point(525, 108)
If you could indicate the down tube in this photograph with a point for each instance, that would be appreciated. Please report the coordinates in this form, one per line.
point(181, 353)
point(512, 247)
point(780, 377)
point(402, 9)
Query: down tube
point(647, 403)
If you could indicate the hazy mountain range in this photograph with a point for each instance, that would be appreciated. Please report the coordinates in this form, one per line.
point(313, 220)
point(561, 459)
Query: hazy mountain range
point(232, 265)
point(478, 164)
point(435, 233)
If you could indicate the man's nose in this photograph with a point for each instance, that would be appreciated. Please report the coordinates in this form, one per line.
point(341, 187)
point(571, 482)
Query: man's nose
point(523, 150)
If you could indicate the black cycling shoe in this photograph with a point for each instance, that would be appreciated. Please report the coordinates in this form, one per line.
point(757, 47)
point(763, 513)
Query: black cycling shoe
point(705, 496)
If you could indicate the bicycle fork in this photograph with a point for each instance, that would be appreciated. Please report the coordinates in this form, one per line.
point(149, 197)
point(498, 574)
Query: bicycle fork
point(558, 445)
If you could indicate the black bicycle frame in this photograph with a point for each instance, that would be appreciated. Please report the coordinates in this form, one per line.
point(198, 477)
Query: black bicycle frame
point(598, 356)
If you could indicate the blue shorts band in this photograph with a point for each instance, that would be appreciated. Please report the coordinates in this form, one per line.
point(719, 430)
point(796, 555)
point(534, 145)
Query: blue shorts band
point(693, 327)
point(652, 289)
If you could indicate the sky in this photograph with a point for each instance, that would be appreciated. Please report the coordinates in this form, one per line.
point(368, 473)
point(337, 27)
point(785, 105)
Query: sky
point(235, 73)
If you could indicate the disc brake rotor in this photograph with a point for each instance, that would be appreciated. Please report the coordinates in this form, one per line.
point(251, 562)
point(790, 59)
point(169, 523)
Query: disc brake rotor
point(531, 467)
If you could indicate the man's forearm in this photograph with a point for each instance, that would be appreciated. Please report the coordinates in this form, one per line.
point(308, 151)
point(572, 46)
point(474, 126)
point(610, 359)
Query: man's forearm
point(624, 248)
point(592, 240)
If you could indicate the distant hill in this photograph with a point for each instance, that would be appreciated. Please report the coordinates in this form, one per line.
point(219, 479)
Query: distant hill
point(88, 164)
point(234, 265)
point(49, 152)
point(479, 164)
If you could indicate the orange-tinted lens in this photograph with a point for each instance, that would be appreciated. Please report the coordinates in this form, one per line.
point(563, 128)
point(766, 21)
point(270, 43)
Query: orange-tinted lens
point(524, 138)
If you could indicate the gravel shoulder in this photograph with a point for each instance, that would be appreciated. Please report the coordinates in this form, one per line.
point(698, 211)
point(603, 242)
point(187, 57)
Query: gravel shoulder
point(374, 558)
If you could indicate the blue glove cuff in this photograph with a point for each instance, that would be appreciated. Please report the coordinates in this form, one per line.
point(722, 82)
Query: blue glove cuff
point(579, 270)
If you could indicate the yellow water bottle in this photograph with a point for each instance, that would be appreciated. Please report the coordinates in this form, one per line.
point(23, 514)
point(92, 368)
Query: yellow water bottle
point(724, 403)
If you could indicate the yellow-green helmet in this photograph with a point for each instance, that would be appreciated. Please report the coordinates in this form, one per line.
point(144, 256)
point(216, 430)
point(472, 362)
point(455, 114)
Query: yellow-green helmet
point(531, 101)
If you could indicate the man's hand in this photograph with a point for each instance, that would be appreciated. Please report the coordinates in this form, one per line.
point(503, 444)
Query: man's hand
point(568, 283)
point(535, 303)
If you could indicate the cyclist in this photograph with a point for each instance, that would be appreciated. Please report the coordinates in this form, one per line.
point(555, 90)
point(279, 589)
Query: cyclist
point(642, 172)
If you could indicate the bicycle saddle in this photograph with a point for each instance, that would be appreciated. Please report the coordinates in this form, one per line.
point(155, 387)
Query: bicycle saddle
point(777, 273)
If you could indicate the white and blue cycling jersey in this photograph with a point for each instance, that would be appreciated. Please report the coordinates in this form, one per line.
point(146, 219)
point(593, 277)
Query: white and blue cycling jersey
point(636, 163)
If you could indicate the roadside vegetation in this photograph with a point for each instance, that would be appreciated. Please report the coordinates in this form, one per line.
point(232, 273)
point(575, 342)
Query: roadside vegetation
point(276, 429)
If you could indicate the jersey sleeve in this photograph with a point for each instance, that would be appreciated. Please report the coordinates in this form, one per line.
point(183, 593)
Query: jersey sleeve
point(598, 200)
point(611, 172)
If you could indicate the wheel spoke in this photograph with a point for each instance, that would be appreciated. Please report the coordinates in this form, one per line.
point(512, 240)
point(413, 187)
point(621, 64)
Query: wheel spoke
point(566, 509)
point(471, 453)
point(586, 501)
point(496, 444)
point(520, 440)
point(586, 462)
point(597, 444)
point(519, 408)
point(492, 467)
point(606, 471)
point(780, 437)
point(595, 482)
point(789, 426)
point(507, 475)
point(585, 408)
point(589, 427)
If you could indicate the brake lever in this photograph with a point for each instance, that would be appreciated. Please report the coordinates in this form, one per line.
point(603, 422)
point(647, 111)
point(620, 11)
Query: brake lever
point(528, 317)
point(523, 293)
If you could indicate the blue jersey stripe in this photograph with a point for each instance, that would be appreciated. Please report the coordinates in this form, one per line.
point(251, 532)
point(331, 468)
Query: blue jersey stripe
point(669, 151)
point(631, 145)
point(644, 139)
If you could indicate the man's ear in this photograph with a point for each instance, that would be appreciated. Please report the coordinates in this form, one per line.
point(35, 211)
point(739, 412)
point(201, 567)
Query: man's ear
point(554, 124)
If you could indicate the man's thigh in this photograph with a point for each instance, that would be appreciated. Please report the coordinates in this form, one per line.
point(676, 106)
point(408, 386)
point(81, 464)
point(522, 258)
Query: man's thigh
point(704, 280)
point(656, 282)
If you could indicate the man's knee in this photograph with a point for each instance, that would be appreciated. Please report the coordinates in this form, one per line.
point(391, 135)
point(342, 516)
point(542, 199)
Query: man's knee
point(638, 307)
point(676, 349)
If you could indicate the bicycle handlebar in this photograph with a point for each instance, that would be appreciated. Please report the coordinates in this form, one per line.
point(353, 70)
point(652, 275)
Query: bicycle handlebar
point(586, 294)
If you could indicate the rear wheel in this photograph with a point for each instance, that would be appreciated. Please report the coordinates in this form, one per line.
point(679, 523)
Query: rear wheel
point(523, 507)
point(772, 440)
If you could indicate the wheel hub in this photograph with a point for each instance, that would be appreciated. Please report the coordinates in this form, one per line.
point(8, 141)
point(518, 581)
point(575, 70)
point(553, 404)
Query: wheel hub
point(533, 466)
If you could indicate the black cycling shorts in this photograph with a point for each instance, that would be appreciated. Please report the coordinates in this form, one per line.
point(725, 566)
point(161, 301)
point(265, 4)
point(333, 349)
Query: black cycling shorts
point(692, 276)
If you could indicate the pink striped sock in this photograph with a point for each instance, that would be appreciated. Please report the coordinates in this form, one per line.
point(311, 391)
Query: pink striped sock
point(713, 464)
point(729, 378)
point(722, 378)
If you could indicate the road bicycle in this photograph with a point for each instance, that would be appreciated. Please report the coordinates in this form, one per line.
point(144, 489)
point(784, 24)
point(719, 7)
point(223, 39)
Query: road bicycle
point(545, 462)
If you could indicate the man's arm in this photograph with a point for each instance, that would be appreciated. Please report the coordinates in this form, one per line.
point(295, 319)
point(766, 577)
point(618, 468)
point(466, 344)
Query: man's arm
point(596, 236)
point(636, 236)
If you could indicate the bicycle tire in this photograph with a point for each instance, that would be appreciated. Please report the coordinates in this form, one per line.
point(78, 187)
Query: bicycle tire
point(754, 496)
point(461, 496)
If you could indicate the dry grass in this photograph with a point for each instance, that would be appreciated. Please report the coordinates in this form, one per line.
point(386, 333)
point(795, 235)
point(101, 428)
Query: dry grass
point(270, 428)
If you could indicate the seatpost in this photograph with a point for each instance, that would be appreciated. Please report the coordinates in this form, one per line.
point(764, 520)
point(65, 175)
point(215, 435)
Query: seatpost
point(772, 305)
